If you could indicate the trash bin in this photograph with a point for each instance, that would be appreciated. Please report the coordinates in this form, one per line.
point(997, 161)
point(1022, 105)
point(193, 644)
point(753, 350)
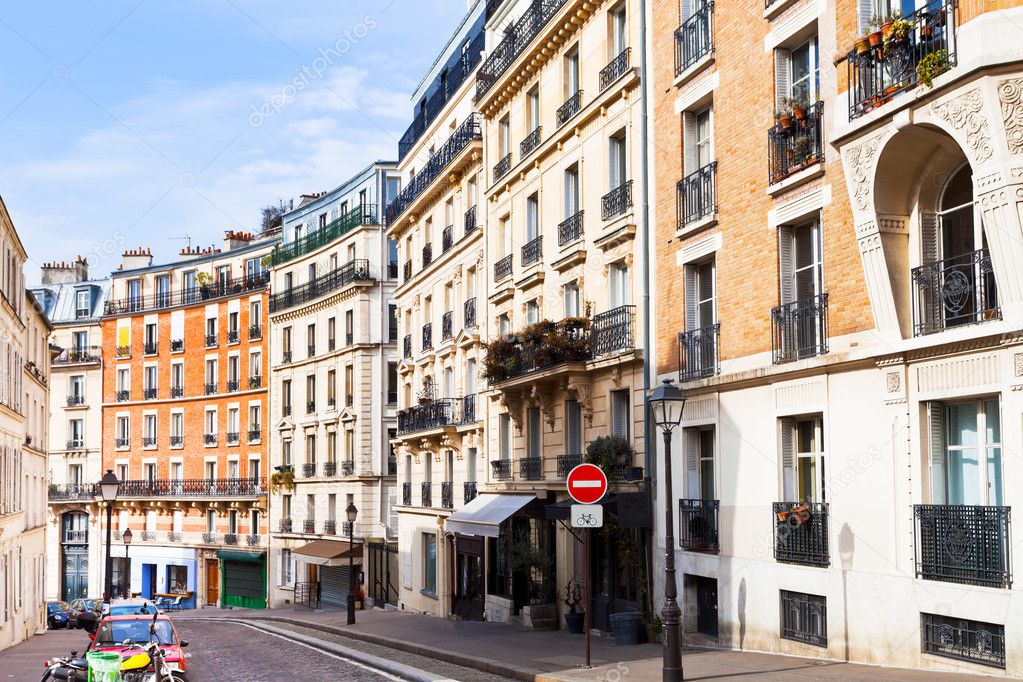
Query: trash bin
point(626, 627)
point(104, 666)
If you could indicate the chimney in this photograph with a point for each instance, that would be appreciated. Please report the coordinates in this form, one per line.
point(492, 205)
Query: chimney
point(234, 240)
point(136, 258)
point(65, 273)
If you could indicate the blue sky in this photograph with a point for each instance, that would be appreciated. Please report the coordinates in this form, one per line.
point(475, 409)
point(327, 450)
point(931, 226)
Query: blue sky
point(131, 122)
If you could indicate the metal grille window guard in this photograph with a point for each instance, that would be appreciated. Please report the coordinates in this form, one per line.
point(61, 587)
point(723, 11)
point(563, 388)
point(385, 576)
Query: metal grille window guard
point(198, 487)
point(210, 389)
point(124, 351)
point(516, 37)
point(233, 336)
point(331, 402)
point(230, 538)
point(447, 494)
point(75, 444)
point(446, 326)
point(616, 202)
point(285, 357)
point(427, 254)
point(501, 469)
point(470, 220)
point(447, 238)
point(72, 491)
point(532, 251)
point(177, 345)
point(255, 332)
point(347, 467)
point(468, 492)
point(698, 353)
point(426, 494)
point(428, 336)
point(469, 313)
point(503, 268)
point(209, 438)
point(568, 462)
point(804, 618)
point(354, 271)
point(309, 526)
point(177, 392)
point(694, 38)
point(877, 74)
point(215, 290)
point(531, 142)
point(406, 494)
point(407, 346)
point(697, 195)
point(211, 340)
point(792, 148)
point(232, 385)
point(330, 527)
point(286, 410)
point(615, 70)
point(173, 537)
point(570, 108)
point(964, 544)
point(698, 525)
point(150, 348)
point(309, 469)
point(392, 270)
point(177, 440)
point(73, 400)
point(330, 469)
point(254, 435)
point(346, 528)
point(502, 167)
point(349, 338)
point(123, 396)
point(232, 437)
point(256, 381)
point(349, 399)
point(148, 535)
point(800, 329)
point(954, 292)
point(331, 345)
point(209, 538)
point(431, 415)
point(612, 331)
point(310, 406)
point(570, 229)
point(407, 270)
point(149, 441)
point(469, 409)
point(286, 525)
point(801, 533)
point(531, 468)
point(359, 215)
point(149, 394)
point(963, 640)
point(119, 443)
point(312, 350)
point(252, 540)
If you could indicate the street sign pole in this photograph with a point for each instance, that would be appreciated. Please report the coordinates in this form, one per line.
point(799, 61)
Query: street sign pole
point(587, 485)
point(587, 603)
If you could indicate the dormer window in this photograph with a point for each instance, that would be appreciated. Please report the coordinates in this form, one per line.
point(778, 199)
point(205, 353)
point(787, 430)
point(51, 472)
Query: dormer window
point(83, 303)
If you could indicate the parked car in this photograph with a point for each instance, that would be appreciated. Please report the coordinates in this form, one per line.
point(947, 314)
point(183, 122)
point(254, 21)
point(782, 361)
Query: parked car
point(113, 631)
point(76, 607)
point(56, 615)
point(129, 607)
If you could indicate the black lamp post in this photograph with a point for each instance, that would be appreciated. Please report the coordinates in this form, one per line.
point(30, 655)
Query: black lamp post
point(108, 486)
point(352, 512)
point(126, 538)
point(666, 403)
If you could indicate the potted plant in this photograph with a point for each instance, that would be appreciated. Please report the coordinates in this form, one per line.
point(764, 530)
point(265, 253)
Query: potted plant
point(862, 44)
point(874, 34)
point(282, 480)
point(798, 106)
point(886, 25)
point(899, 31)
point(800, 514)
point(574, 620)
point(783, 516)
point(204, 279)
point(784, 116)
point(933, 64)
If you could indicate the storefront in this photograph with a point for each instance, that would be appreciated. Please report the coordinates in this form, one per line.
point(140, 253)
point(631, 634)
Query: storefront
point(333, 568)
point(243, 578)
point(167, 572)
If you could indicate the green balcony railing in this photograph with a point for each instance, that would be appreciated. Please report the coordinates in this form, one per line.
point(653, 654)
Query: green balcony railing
point(360, 215)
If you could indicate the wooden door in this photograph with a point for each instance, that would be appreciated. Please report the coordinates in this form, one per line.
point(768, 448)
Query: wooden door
point(212, 581)
point(314, 574)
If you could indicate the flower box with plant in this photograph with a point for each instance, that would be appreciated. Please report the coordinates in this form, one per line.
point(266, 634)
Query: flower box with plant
point(898, 31)
point(874, 35)
point(282, 480)
point(538, 346)
point(574, 620)
point(613, 454)
point(930, 66)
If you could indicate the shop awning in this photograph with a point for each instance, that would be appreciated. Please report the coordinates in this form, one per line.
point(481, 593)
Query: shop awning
point(484, 514)
point(328, 553)
point(237, 555)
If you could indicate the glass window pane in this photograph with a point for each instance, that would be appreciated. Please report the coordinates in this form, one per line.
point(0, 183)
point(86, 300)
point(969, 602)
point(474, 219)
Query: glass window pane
point(993, 421)
point(994, 476)
point(962, 424)
point(964, 476)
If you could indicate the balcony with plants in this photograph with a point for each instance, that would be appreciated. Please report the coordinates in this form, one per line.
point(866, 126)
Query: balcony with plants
point(795, 141)
point(354, 272)
point(332, 231)
point(207, 289)
point(539, 347)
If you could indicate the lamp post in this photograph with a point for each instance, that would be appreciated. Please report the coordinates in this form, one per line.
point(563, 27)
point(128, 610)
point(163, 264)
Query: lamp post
point(108, 486)
point(126, 538)
point(666, 403)
point(352, 512)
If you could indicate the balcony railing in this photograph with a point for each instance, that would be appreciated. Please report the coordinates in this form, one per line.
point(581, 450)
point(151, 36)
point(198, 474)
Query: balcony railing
point(188, 296)
point(446, 326)
point(469, 409)
point(354, 271)
point(286, 356)
point(173, 536)
point(447, 495)
point(406, 494)
point(407, 270)
point(531, 142)
point(192, 487)
point(209, 538)
point(570, 229)
point(330, 527)
point(568, 462)
point(501, 469)
point(963, 544)
point(359, 215)
point(75, 444)
point(612, 331)
point(123, 352)
point(795, 147)
point(252, 540)
point(209, 438)
point(74, 400)
point(517, 37)
point(177, 441)
point(469, 131)
point(616, 69)
point(149, 441)
point(347, 467)
point(78, 356)
point(502, 167)
point(309, 526)
point(616, 202)
point(121, 442)
point(150, 348)
point(255, 332)
point(427, 255)
point(698, 353)
point(468, 492)
point(407, 347)
point(879, 73)
point(177, 392)
point(330, 469)
point(575, 345)
point(801, 533)
point(954, 292)
point(149, 394)
point(209, 388)
point(698, 525)
point(531, 468)
point(428, 336)
point(800, 329)
point(532, 251)
point(470, 219)
point(177, 345)
point(286, 525)
point(230, 538)
point(232, 385)
point(211, 340)
point(447, 238)
point(432, 415)
point(503, 268)
point(697, 195)
point(426, 494)
point(233, 336)
point(469, 313)
point(256, 381)
point(233, 437)
point(570, 108)
point(72, 491)
point(694, 39)
point(309, 469)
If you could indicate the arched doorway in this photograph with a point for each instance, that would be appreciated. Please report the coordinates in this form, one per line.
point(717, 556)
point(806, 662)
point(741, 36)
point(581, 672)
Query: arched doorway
point(74, 546)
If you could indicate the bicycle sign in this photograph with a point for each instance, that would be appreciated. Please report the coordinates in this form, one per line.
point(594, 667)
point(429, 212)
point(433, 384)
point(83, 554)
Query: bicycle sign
point(587, 516)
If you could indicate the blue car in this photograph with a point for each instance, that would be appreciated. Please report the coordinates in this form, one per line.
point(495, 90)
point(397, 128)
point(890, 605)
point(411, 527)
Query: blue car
point(56, 615)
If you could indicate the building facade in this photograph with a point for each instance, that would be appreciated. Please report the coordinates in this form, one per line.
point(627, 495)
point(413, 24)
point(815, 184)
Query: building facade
point(184, 350)
point(837, 295)
point(333, 366)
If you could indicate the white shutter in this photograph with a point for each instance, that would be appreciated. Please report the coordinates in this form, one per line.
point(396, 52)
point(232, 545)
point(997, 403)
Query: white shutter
point(614, 152)
point(280, 564)
point(786, 254)
point(937, 447)
point(782, 77)
point(864, 13)
point(691, 446)
point(685, 9)
point(787, 448)
point(690, 135)
point(691, 296)
point(930, 238)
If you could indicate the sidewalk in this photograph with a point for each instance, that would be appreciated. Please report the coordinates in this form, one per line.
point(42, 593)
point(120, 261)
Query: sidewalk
point(554, 656)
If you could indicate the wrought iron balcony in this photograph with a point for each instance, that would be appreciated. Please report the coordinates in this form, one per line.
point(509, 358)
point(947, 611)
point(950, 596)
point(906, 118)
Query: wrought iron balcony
point(616, 202)
point(568, 462)
point(233, 337)
point(335, 229)
point(698, 353)
point(407, 270)
point(962, 639)
point(74, 400)
point(426, 494)
point(531, 468)
point(468, 492)
point(123, 352)
point(347, 467)
point(516, 38)
point(211, 340)
point(286, 410)
point(230, 538)
point(796, 146)
point(446, 238)
point(149, 394)
point(330, 527)
point(392, 270)
point(349, 338)
point(311, 350)
point(446, 326)
point(698, 525)
point(612, 331)
point(233, 437)
point(470, 219)
point(285, 357)
point(232, 385)
point(616, 69)
point(256, 381)
point(469, 313)
point(532, 251)
point(434, 414)
point(75, 444)
point(330, 469)
point(502, 167)
point(78, 356)
point(209, 538)
point(801, 533)
point(177, 345)
point(469, 409)
point(503, 268)
point(406, 494)
point(881, 72)
point(964, 544)
point(501, 469)
point(427, 254)
point(192, 487)
point(121, 442)
point(407, 347)
point(252, 540)
point(309, 526)
point(310, 406)
point(531, 142)
point(209, 438)
point(187, 296)
point(447, 495)
point(697, 195)
point(255, 332)
point(428, 336)
point(150, 348)
point(210, 388)
point(148, 535)
point(286, 525)
point(75, 537)
point(177, 392)
point(254, 435)
point(570, 229)
point(954, 292)
point(149, 441)
point(309, 469)
point(173, 537)
point(349, 399)
point(331, 345)
point(570, 108)
point(176, 441)
point(72, 491)
point(694, 38)
point(356, 270)
point(800, 329)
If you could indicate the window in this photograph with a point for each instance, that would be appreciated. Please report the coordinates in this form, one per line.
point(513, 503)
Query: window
point(256, 314)
point(620, 413)
point(504, 324)
point(76, 386)
point(804, 618)
point(178, 376)
point(803, 474)
point(310, 335)
point(83, 303)
point(149, 427)
point(149, 474)
point(701, 295)
point(223, 276)
point(533, 109)
point(255, 421)
point(310, 392)
point(532, 312)
point(80, 340)
point(618, 281)
point(617, 161)
point(76, 431)
point(572, 72)
point(392, 383)
point(618, 28)
point(532, 217)
point(504, 139)
point(699, 447)
point(392, 322)
point(211, 421)
point(287, 568)
point(232, 324)
point(534, 441)
point(177, 425)
point(962, 639)
point(571, 195)
point(211, 372)
point(331, 333)
point(286, 396)
point(177, 579)
point(573, 428)
point(966, 452)
point(429, 563)
point(570, 296)
point(331, 387)
point(504, 424)
point(802, 272)
point(349, 326)
point(123, 380)
point(255, 364)
point(286, 453)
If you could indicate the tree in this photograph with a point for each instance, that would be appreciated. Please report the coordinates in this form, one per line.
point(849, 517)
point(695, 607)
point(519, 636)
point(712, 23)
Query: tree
point(273, 216)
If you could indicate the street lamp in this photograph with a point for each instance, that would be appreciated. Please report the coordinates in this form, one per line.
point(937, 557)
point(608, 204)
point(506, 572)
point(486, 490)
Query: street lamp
point(126, 538)
point(666, 403)
point(352, 512)
point(108, 486)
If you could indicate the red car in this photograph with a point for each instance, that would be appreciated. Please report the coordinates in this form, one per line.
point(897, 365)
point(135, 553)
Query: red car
point(114, 630)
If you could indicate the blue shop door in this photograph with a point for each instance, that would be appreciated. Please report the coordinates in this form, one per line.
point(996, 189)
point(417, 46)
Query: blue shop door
point(148, 580)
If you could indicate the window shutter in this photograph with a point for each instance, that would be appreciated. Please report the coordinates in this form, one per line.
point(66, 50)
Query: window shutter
point(620, 413)
point(505, 437)
point(614, 152)
point(864, 13)
point(685, 9)
point(692, 450)
point(572, 427)
point(280, 564)
point(930, 246)
point(570, 196)
point(786, 254)
point(936, 424)
point(690, 282)
point(782, 77)
point(787, 447)
point(690, 134)
point(531, 224)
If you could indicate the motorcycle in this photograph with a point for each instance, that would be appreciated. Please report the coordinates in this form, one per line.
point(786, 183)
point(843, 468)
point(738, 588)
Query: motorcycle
point(74, 669)
point(69, 668)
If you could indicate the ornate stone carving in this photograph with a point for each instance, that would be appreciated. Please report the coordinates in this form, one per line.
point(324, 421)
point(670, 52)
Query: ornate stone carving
point(583, 395)
point(894, 382)
point(965, 113)
point(1017, 361)
point(616, 376)
point(860, 160)
point(1010, 95)
point(514, 407)
point(545, 403)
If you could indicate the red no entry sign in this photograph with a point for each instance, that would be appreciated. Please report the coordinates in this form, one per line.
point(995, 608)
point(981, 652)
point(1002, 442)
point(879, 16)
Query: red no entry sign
point(587, 483)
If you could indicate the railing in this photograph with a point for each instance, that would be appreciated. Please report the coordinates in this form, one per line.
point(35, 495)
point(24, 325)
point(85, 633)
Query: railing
point(469, 313)
point(407, 270)
point(954, 292)
point(885, 70)
point(501, 469)
point(347, 467)
point(427, 254)
point(78, 356)
point(232, 385)
point(359, 215)
point(309, 526)
point(616, 69)
point(177, 440)
point(795, 147)
point(209, 538)
point(209, 389)
point(330, 469)
point(532, 251)
point(428, 336)
point(256, 381)
point(432, 415)
point(286, 525)
point(470, 219)
point(233, 336)
point(150, 348)
point(426, 494)
point(612, 331)
point(516, 38)
point(698, 353)
point(694, 39)
point(187, 487)
point(502, 167)
point(254, 435)
point(962, 639)
point(447, 238)
point(392, 270)
point(330, 527)
point(148, 535)
point(446, 326)
point(173, 537)
point(568, 462)
point(349, 338)
point(469, 131)
point(570, 229)
point(698, 525)
point(286, 357)
point(801, 533)
point(230, 538)
point(199, 294)
point(121, 442)
point(75, 444)
point(209, 439)
point(286, 410)
point(177, 345)
point(531, 468)
point(233, 437)
point(503, 268)
point(617, 201)
point(965, 544)
point(211, 340)
point(255, 332)
point(347, 528)
point(123, 352)
point(72, 491)
point(800, 329)
point(252, 540)
point(406, 494)
point(149, 394)
point(75, 536)
point(177, 391)
point(697, 195)
point(447, 494)
point(74, 400)
point(531, 142)
point(468, 492)
point(407, 347)
point(570, 108)
point(149, 441)
point(309, 469)
point(469, 409)
point(354, 271)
